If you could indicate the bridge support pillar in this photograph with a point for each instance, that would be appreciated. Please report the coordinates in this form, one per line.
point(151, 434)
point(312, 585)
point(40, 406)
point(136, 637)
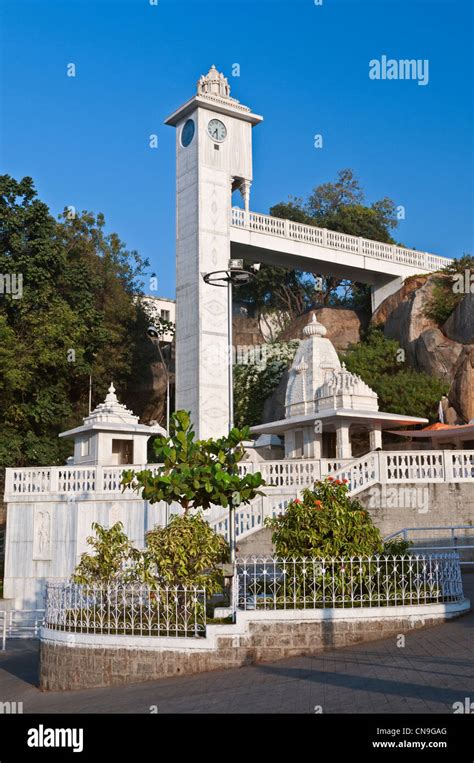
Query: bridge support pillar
point(384, 289)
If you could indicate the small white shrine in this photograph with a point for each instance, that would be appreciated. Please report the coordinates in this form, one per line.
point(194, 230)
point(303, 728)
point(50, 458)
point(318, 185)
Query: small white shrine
point(111, 435)
point(50, 509)
point(325, 404)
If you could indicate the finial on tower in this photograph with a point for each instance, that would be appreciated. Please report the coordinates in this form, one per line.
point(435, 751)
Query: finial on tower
point(213, 83)
point(111, 397)
point(314, 327)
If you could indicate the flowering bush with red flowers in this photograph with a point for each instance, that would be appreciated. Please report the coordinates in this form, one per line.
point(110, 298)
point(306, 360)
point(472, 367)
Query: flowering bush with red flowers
point(325, 522)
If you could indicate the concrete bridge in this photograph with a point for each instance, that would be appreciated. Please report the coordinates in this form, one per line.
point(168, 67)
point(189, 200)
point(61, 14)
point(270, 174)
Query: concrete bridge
point(284, 243)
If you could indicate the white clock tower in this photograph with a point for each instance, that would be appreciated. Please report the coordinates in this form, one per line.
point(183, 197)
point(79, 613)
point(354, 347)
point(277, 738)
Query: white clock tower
point(213, 158)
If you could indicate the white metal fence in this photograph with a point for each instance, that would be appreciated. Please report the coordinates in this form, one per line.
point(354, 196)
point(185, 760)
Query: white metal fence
point(131, 610)
point(20, 623)
point(378, 581)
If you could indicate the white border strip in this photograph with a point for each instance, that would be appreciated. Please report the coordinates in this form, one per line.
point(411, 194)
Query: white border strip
point(412, 614)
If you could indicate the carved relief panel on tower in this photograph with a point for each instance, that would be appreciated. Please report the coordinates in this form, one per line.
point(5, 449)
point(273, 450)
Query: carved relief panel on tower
point(42, 533)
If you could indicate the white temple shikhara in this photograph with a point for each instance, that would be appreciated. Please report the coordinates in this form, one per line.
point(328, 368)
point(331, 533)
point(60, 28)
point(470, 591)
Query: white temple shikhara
point(213, 159)
point(325, 403)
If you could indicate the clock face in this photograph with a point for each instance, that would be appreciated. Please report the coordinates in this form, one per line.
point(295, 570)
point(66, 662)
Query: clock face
point(217, 130)
point(187, 133)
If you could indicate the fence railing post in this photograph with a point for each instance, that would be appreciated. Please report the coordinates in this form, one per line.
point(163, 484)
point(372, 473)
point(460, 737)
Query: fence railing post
point(99, 478)
point(382, 467)
point(448, 465)
point(8, 482)
point(54, 479)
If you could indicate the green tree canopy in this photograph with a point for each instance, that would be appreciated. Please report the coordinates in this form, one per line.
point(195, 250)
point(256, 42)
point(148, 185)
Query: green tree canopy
point(380, 362)
point(338, 206)
point(197, 474)
point(76, 316)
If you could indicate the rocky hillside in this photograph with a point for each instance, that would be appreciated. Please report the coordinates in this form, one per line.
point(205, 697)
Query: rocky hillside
point(445, 351)
point(344, 327)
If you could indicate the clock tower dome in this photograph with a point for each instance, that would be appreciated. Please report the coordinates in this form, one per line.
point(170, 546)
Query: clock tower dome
point(213, 158)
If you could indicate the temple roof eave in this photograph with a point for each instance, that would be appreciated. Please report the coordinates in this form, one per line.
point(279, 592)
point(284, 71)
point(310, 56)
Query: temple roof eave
point(122, 427)
point(332, 416)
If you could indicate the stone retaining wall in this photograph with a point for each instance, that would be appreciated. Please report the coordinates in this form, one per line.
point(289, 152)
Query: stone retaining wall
point(80, 661)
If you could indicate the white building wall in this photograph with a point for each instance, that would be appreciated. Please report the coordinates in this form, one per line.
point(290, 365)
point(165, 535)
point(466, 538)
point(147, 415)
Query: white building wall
point(46, 536)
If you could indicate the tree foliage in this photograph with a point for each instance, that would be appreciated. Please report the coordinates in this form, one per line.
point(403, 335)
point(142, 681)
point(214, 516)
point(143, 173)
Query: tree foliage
point(185, 553)
point(112, 558)
point(196, 473)
point(449, 288)
point(76, 316)
point(338, 206)
point(254, 382)
point(380, 362)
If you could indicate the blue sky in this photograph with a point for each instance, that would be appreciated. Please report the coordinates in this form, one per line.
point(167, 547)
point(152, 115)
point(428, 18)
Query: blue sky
point(84, 140)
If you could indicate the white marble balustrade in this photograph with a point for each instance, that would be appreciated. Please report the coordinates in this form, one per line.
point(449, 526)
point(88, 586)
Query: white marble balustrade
point(334, 240)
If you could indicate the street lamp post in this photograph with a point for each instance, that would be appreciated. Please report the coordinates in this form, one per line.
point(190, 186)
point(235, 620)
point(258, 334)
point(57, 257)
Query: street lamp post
point(235, 275)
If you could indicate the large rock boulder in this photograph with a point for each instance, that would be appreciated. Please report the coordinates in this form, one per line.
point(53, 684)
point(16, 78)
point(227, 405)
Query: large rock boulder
point(403, 315)
point(386, 309)
point(274, 405)
point(246, 331)
point(436, 354)
point(344, 326)
point(460, 324)
point(147, 397)
point(461, 393)
point(446, 352)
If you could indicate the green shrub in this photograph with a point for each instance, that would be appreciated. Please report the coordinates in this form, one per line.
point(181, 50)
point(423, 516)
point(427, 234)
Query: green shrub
point(445, 296)
point(187, 552)
point(380, 362)
point(327, 522)
point(111, 557)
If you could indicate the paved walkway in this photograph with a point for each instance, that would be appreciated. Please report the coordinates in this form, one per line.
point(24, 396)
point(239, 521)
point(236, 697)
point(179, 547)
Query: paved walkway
point(433, 670)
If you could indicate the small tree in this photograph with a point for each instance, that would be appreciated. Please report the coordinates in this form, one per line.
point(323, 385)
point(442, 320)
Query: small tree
point(327, 522)
point(186, 553)
point(197, 474)
point(113, 558)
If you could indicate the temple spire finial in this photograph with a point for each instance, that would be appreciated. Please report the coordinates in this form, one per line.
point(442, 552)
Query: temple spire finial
point(111, 396)
point(213, 83)
point(314, 327)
